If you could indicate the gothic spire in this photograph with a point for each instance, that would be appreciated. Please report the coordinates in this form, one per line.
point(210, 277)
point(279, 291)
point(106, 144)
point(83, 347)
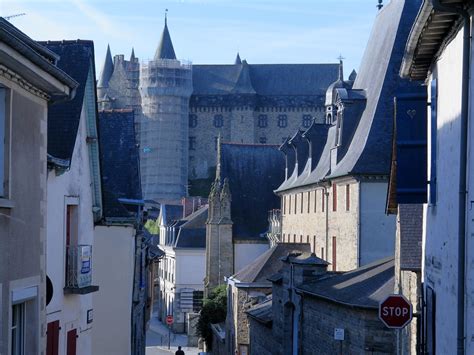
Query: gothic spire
point(132, 56)
point(165, 49)
point(237, 59)
point(107, 70)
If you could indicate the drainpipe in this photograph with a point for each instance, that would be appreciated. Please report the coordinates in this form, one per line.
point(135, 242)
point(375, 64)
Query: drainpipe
point(326, 198)
point(462, 169)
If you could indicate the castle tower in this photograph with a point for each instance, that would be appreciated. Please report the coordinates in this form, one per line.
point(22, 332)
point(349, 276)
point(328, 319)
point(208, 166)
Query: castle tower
point(165, 89)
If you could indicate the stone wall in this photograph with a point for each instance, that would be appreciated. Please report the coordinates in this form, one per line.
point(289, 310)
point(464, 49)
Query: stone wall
point(261, 338)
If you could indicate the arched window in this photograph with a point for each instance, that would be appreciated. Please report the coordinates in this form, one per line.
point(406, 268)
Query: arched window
point(218, 121)
point(193, 120)
point(307, 119)
point(282, 121)
point(262, 121)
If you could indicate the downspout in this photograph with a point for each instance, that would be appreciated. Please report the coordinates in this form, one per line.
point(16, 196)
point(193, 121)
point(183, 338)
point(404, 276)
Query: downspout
point(326, 197)
point(463, 167)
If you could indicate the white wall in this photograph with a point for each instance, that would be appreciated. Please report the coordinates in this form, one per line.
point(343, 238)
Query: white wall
point(190, 268)
point(75, 184)
point(113, 257)
point(246, 253)
point(377, 230)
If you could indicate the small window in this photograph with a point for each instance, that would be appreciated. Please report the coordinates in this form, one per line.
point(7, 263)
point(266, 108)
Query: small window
point(296, 202)
point(262, 121)
point(334, 254)
point(348, 197)
point(4, 142)
point(315, 200)
point(284, 204)
point(263, 140)
point(193, 120)
point(307, 120)
point(334, 197)
point(192, 143)
point(302, 200)
point(18, 329)
point(309, 199)
point(289, 204)
point(322, 201)
point(282, 121)
point(218, 121)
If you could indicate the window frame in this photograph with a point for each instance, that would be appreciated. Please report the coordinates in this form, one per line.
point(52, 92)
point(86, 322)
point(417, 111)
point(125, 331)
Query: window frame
point(218, 121)
point(306, 121)
point(193, 120)
point(282, 121)
point(262, 121)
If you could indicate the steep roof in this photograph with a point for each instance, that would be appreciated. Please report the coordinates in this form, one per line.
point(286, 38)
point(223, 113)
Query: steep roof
point(269, 263)
point(370, 148)
point(364, 287)
point(171, 213)
point(107, 70)
point(165, 49)
point(75, 58)
point(194, 238)
point(262, 312)
point(119, 157)
point(265, 79)
point(253, 172)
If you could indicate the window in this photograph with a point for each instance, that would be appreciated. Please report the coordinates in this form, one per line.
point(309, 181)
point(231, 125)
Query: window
point(315, 200)
point(307, 119)
point(262, 121)
point(192, 120)
point(192, 143)
point(348, 197)
point(289, 204)
point(334, 197)
point(72, 228)
point(322, 200)
point(18, 329)
point(322, 254)
point(309, 199)
point(334, 254)
point(296, 201)
point(284, 204)
point(4, 142)
point(433, 142)
point(262, 140)
point(301, 209)
point(282, 121)
point(218, 121)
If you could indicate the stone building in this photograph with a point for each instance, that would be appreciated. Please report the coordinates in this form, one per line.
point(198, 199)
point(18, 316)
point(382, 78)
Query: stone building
point(241, 196)
point(29, 81)
point(335, 189)
point(241, 102)
point(309, 305)
point(250, 286)
point(439, 53)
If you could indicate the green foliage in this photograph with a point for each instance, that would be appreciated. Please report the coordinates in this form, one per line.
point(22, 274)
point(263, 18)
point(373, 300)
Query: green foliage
point(152, 226)
point(213, 311)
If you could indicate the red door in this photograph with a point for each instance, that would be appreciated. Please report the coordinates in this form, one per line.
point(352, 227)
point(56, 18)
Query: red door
point(71, 342)
point(52, 338)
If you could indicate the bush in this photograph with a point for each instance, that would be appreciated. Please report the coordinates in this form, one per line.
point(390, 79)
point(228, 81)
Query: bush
point(213, 311)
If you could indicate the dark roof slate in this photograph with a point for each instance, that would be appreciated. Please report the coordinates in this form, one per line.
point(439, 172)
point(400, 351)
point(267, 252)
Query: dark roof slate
point(119, 158)
point(411, 235)
point(191, 238)
point(107, 70)
point(269, 263)
point(165, 49)
point(262, 312)
point(364, 287)
point(76, 58)
point(253, 172)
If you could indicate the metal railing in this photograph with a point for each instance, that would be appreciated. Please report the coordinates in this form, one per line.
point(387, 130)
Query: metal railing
point(78, 266)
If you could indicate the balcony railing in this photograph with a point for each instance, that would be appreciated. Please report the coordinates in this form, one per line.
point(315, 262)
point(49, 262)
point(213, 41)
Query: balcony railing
point(274, 227)
point(79, 270)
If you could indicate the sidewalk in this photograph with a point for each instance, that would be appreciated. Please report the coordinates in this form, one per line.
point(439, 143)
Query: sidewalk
point(157, 340)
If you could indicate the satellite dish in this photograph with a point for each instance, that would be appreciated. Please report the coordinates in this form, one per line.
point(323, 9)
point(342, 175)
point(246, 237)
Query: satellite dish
point(49, 290)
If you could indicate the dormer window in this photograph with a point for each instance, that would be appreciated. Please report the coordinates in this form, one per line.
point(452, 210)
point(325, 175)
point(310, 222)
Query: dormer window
point(218, 121)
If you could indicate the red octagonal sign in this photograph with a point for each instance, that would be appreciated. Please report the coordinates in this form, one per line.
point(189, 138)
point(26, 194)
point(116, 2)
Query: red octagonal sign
point(395, 311)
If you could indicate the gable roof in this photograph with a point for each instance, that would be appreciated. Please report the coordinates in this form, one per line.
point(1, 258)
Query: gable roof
point(269, 263)
point(364, 287)
point(264, 79)
point(253, 172)
point(75, 58)
point(119, 157)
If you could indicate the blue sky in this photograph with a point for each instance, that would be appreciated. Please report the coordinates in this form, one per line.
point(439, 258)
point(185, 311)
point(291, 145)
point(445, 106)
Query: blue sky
point(207, 31)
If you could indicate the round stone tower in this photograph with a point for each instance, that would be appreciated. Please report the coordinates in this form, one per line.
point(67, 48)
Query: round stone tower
point(165, 89)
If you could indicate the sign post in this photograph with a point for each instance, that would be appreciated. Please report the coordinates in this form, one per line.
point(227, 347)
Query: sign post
point(395, 311)
point(169, 321)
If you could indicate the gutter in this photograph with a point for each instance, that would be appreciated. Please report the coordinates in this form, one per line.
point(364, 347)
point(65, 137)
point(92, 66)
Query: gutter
point(438, 6)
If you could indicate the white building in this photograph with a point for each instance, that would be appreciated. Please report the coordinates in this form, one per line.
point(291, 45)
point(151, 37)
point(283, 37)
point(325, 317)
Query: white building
point(439, 51)
point(74, 203)
point(181, 272)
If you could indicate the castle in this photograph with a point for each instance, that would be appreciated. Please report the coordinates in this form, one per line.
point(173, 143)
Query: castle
point(181, 109)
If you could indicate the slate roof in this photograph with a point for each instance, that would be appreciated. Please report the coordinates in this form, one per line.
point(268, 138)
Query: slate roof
point(171, 213)
point(165, 49)
point(253, 172)
point(75, 58)
point(107, 70)
point(264, 79)
point(370, 148)
point(192, 231)
point(364, 287)
point(411, 235)
point(119, 158)
point(262, 312)
point(269, 263)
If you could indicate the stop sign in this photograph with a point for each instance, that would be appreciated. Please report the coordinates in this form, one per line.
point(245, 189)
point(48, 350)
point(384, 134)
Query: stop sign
point(395, 311)
point(169, 320)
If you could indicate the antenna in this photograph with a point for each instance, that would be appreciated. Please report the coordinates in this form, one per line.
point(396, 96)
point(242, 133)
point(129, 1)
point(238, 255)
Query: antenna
point(12, 16)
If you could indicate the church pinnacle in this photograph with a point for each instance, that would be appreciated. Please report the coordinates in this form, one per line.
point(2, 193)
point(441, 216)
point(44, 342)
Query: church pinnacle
point(341, 68)
point(165, 49)
point(107, 70)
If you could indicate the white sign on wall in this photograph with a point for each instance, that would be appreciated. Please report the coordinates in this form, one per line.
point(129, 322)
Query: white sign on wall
point(338, 333)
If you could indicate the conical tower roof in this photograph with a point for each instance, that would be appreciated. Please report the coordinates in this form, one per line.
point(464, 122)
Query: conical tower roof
point(165, 49)
point(237, 59)
point(107, 70)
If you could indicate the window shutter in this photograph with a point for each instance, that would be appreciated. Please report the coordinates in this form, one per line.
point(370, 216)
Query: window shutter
point(411, 148)
point(434, 140)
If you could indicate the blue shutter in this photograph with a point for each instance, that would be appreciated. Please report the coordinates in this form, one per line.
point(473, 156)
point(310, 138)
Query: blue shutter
point(434, 139)
point(411, 148)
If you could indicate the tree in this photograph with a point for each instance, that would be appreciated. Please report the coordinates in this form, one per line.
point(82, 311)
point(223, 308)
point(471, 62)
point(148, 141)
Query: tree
point(152, 226)
point(213, 311)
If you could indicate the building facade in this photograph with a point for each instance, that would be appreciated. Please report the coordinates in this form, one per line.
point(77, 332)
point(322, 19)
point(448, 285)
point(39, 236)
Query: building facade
point(74, 204)
point(187, 107)
point(29, 81)
point(446, 66)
